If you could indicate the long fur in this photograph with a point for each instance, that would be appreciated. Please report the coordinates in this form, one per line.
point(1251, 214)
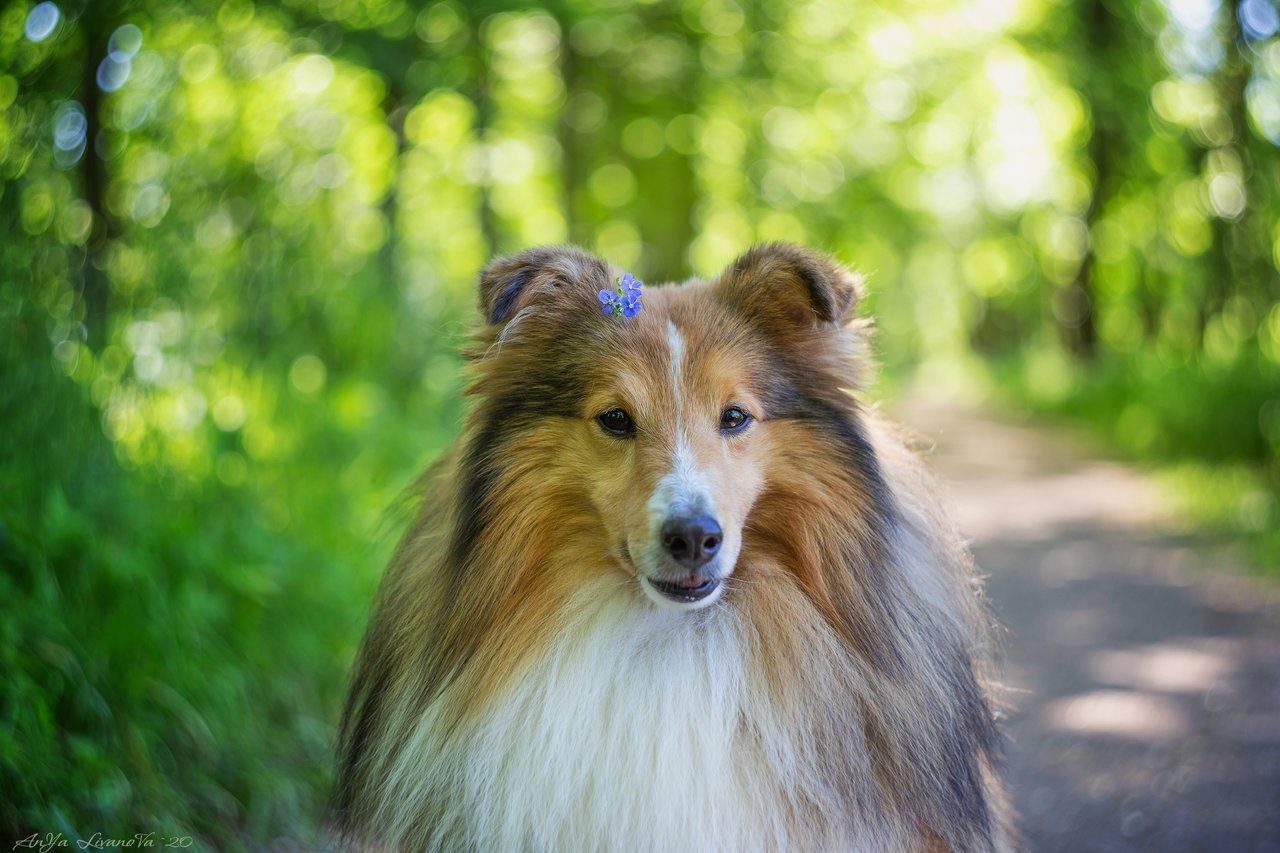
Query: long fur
point(518, 691)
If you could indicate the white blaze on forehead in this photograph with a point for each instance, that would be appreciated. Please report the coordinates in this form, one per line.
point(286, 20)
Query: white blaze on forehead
point(676, 342)
point(683, 490)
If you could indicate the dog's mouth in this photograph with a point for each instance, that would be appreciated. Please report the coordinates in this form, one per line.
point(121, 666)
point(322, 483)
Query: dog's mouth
point(695, 590)
point(687, 589)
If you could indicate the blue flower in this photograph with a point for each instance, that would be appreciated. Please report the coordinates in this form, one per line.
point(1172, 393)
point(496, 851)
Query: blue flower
point(625, 301)
point(629, 286)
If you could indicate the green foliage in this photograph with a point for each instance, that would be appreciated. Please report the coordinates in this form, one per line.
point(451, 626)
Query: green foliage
point(171, 660)
point(238, 243)
point(1211, 430)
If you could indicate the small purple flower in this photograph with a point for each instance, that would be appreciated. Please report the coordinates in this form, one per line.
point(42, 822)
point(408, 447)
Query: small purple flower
point(630, 286)
point(625, 301)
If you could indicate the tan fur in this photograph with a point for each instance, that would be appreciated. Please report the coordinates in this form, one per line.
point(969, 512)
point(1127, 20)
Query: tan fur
point(862, 716)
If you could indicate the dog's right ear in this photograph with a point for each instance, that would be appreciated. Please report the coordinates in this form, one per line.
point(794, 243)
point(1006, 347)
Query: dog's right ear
point(511, 284)
point(788, 287)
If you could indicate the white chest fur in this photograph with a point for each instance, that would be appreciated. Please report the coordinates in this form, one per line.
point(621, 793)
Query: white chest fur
point(639, 729)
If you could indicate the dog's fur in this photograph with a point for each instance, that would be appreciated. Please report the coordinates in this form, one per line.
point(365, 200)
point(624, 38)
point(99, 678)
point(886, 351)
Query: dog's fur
point(523, 684)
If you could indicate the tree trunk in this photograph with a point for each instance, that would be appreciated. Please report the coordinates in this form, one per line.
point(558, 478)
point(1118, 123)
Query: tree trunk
point(396, 109)
point(1233, 254)
point(484, 117)
point(97, 303)
point(1077, 323)
point(573, 158)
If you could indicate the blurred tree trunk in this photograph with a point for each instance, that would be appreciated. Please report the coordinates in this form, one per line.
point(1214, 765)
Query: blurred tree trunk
point(667, 226)
point(483, 102)
point(1100, 31)
point(97, 303)
point(395, 108)
point(666, 229)
point(573, 156)
point(673, 257)
point(1077, 321)
point(1230, 256)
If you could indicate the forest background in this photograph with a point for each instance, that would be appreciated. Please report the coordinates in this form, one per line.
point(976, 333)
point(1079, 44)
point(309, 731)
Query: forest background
point(238, 251)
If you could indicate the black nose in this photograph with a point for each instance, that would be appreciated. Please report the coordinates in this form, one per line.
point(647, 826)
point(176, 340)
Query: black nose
point(691, 542)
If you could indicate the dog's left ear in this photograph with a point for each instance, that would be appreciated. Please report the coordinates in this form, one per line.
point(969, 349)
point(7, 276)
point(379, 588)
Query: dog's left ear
point(509, 285)
point(791, 287)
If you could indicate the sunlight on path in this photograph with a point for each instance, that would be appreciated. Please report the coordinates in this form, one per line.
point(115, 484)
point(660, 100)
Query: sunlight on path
point(1021, 482)
point(1143, 665)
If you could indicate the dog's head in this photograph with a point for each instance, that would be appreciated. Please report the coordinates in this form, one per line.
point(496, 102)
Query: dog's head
point(644, 442)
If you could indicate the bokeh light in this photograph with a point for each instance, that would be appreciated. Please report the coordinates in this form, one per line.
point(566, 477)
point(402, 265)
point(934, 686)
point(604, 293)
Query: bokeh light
point(42, 20)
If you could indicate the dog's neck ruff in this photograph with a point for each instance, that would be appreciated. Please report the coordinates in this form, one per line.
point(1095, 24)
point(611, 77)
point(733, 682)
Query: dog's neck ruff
point(638, 726)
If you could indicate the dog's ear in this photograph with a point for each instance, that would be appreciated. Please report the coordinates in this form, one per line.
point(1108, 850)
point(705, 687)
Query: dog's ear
point(511, 284)
point(790, 287)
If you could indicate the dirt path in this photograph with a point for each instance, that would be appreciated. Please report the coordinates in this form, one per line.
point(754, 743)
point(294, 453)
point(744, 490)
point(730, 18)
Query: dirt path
point(1145, 669)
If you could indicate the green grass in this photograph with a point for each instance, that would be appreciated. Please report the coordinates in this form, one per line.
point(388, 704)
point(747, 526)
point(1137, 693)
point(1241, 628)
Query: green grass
point(1209, 432)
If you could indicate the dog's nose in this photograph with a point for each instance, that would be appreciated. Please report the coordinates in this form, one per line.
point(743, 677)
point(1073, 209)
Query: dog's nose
point(691, 542)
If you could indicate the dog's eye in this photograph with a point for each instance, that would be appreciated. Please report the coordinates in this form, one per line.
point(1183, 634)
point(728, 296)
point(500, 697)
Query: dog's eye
point(734, 419)
point(617, 422)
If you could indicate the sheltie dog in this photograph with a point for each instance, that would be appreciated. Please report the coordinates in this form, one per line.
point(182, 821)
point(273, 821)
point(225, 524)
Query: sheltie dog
point(674, 588)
